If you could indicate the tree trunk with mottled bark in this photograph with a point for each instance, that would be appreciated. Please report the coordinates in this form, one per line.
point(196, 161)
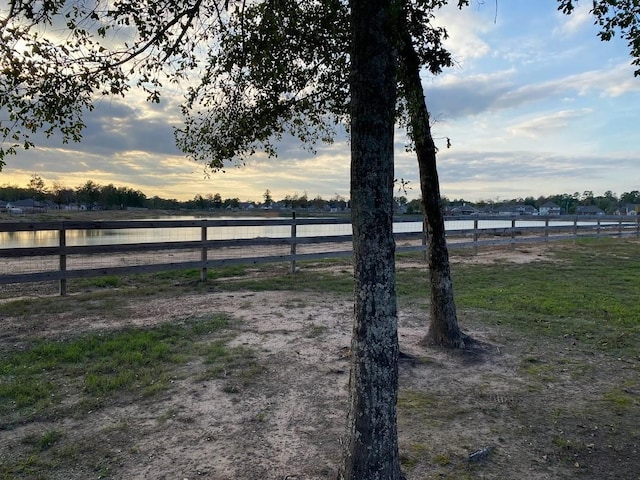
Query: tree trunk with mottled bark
point(443, 326)
point(373, 443)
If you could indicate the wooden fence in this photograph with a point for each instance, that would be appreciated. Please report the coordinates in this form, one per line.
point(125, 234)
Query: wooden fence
point(199, 253)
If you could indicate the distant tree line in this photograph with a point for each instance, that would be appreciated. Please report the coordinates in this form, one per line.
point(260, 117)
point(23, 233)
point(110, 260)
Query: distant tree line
point(111, 197)
point(289, 202)
point(91, 195)
point(609, 202)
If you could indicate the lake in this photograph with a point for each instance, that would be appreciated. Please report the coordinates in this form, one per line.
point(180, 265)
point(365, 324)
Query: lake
point(140, 235)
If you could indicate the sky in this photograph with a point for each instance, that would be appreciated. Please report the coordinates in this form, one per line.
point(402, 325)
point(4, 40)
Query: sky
point(535, 105)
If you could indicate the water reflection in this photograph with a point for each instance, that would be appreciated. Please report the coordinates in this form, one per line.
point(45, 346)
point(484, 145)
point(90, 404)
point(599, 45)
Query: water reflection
point(50, 238)
point(142, 235)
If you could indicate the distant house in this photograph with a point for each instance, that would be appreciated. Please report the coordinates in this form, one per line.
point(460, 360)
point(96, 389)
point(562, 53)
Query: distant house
point(398, 208)
point(486, 210)
point(589, 210)
point(629, 209)
point(464, 210)
point(549, 209)
point(515, 210)
point(26, 206)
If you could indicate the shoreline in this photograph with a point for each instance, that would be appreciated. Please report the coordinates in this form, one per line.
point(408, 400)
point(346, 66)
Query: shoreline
point(138, 214)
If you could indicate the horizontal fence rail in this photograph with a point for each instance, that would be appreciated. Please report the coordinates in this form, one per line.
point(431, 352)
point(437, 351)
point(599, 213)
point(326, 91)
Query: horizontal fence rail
point(75, 250)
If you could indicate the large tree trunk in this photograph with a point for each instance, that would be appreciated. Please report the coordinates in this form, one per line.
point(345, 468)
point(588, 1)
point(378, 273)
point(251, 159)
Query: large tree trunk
point(373, 443)
point(443, 326)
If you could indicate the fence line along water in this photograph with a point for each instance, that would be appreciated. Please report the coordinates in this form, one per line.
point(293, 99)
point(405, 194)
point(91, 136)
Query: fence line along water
point(66, 250)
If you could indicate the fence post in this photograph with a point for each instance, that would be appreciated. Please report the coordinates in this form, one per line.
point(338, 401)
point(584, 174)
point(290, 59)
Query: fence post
point(546, 230)
point(424, 238)
point(513, 234)
point(575, 229)
point(619, 227)
point(475, 236)
point(293, 242)
point(203, 253)
point(637, 225)
point(62, 242)
point(598, 229)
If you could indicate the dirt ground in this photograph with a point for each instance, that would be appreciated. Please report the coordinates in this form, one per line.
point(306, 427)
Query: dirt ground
point(290, 423)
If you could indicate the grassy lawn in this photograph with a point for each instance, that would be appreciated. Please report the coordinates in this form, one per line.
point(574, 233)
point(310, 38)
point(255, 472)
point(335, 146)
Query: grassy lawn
point(589, 292)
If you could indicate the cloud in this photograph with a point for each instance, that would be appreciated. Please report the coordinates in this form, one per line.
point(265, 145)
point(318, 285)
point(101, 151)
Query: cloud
point(470, 174)
point(608, 81)
point(572, 24)
point(552, 123)
point(454, 96)
point(476, 174)
point(621, 81)
point(451, 97)
point(116, 126)
point(465, 28)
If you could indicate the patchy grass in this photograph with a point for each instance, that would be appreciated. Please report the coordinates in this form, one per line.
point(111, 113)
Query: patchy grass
point(79, 376)
point(98, 368)
point(108, 281)
point(585, 293)
point(432, 409)
point(237, 366)
point(328, 281)
point(43, 441)
point(315, 330)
